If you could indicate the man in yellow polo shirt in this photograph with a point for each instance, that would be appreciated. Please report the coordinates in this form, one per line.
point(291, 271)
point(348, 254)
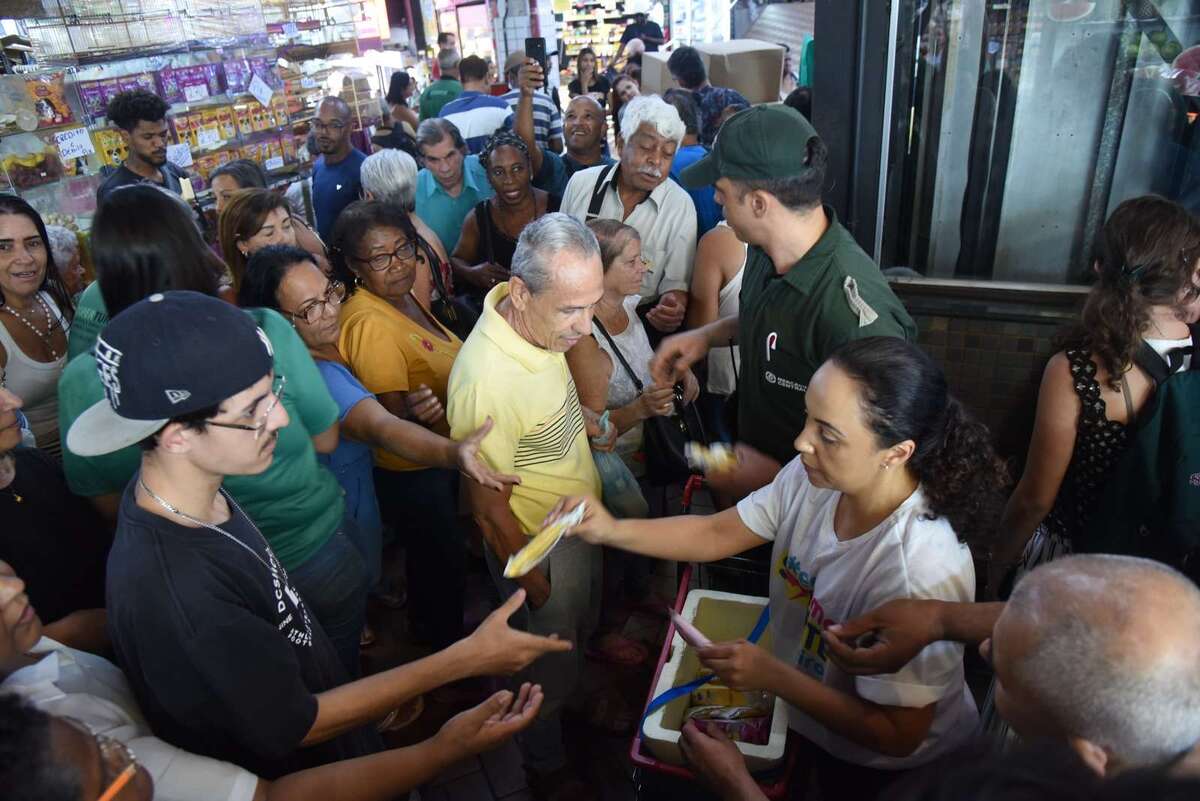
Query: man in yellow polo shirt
point(512, 369)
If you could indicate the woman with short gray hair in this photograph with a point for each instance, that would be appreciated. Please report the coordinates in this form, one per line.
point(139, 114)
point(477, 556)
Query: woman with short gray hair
point(64, 245)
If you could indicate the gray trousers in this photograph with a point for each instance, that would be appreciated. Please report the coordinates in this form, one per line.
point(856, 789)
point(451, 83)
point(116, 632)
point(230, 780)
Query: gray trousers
point(575, 571)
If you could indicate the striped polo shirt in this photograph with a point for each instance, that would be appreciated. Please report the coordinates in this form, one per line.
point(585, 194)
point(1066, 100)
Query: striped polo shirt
point(547, 120)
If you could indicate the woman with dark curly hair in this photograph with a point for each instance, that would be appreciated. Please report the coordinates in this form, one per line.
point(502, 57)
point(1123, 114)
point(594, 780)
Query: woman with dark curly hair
point(489, 236)
point(1147, 293)
point(893, 481)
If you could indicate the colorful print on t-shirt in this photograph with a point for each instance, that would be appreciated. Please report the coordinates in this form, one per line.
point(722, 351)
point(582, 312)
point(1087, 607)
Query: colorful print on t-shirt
point(800, 586)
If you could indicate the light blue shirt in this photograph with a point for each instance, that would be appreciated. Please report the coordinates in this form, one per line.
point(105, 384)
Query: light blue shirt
point(445, 214)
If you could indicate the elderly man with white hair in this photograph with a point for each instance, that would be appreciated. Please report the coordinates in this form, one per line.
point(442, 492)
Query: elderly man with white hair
point(638, 191)
point(64, 245)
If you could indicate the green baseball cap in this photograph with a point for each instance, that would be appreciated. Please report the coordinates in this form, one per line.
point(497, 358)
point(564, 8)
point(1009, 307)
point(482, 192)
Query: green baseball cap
point(759, 143)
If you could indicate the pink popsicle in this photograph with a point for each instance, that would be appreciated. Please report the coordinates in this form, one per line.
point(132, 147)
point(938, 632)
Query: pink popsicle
point(691, 635)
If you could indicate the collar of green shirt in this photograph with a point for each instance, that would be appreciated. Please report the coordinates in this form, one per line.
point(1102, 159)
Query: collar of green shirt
point(804, 274)
point(471, 170)
point(493, 326)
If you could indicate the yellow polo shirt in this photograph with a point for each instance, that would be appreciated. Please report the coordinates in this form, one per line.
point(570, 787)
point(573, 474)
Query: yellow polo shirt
point(388, 352)
point(539, 433)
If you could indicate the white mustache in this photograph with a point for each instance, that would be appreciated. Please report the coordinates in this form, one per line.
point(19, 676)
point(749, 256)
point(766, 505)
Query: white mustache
point(651, 171)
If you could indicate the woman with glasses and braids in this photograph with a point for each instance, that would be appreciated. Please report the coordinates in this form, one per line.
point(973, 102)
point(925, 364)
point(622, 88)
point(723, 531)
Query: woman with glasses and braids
point(394, 345)
point(288, 280)
point(1147, 266)
point(489, 236)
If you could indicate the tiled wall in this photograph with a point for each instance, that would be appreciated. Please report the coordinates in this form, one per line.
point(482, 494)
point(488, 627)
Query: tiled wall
point(993, 352)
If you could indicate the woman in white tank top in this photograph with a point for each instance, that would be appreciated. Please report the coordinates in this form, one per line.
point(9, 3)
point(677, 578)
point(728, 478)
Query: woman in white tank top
point(34, 318)
point(716, 284)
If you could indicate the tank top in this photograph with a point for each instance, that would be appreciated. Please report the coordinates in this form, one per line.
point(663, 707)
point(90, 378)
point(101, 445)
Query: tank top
point(1099, 442)
point(36, 384)
point(635, 347)
point(724, 361)
point(495, 245)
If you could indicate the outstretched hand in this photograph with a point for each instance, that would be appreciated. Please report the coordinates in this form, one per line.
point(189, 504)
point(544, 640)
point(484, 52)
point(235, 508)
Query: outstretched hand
point(884, 640)
point(498, 649)
point(473, 465)
point(716, 758)
point(486, 726)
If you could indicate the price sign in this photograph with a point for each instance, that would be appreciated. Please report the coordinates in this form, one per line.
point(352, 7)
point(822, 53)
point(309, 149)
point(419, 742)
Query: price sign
point(307, 83)
point(262, 93)
point(208, 137)
point(289, 29)
point(74, 144)
point(274, 163)
point(179, 155)
point(195, 92)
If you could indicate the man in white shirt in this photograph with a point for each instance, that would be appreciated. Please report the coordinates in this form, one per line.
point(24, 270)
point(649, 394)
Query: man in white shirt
point(638, 191)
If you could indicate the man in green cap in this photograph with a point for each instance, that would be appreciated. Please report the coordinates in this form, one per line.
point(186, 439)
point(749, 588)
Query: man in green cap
point(808, 287)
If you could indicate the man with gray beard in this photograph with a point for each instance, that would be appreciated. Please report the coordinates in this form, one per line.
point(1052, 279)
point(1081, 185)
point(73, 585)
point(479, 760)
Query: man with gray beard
point(637, 191)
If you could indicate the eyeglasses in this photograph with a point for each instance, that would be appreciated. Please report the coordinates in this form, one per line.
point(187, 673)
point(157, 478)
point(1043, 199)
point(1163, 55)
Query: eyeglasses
point(336, 125)
point(383, 261)
point(118, 765)
point(277, 388)
point(312, 312)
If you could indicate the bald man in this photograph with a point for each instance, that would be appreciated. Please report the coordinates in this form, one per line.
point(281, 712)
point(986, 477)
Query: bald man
point(584, 128)
point(335, 180)
point(1102, 652)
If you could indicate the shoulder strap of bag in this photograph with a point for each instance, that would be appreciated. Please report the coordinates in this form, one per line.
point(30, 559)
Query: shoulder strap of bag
point(617, 352)
point(598, 191)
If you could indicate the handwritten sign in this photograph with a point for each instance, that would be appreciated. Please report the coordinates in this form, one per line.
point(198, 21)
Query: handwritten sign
point(179, 155)
point(208, 137)
point(74, 144)
point(195, 92)
point(262, 93)
point(274, 163)
point(307, 83)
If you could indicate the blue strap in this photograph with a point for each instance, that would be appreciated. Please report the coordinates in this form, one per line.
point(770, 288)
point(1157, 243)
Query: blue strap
point(686, 689)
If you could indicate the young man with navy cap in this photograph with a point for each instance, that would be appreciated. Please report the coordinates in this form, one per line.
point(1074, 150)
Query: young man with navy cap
point(808, 288)
point(215, 640)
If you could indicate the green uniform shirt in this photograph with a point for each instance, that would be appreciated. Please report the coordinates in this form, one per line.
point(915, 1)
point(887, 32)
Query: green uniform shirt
point(90, 319)
point(296, 503)
point(438, 94)
point(790, 324)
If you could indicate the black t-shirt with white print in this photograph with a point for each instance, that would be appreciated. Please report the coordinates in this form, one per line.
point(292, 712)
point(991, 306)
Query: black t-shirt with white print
point(219, 648)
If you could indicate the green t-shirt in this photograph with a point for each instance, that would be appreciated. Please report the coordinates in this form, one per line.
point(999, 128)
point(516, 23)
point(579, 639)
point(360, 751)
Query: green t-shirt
point(296, 503)
point(438, 94)
point(790, 324)
point(90, 319)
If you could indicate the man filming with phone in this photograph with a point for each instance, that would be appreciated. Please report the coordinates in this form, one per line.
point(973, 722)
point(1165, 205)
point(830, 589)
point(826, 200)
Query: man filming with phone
point(584, 126)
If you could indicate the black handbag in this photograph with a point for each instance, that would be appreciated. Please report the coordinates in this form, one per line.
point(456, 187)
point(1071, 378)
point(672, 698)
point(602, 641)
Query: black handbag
point(452, 312)
point(664, 438)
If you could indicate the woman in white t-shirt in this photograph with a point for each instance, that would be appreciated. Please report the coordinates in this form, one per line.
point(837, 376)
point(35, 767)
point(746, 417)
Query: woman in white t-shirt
point(893, 479)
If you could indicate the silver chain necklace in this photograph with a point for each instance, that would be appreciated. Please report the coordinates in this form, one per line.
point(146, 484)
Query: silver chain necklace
point(50, 325)
point(217, 529)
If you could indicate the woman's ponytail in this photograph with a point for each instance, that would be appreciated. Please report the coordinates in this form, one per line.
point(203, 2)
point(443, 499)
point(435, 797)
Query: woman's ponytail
point(905, 398)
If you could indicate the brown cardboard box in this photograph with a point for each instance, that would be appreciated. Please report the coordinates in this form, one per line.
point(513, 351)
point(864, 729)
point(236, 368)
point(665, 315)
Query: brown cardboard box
point(750, 66)
point(656, 79)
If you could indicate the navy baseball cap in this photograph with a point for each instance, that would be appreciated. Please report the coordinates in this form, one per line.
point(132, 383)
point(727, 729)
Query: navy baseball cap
point(166, 356)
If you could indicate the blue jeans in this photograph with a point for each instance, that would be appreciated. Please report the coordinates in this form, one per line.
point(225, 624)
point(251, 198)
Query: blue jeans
point(333, 583)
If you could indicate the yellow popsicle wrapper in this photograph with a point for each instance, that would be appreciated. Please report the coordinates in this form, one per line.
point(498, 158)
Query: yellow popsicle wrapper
point(542, 543)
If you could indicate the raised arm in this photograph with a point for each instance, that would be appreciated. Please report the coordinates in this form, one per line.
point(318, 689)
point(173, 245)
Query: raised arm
point(529, 80)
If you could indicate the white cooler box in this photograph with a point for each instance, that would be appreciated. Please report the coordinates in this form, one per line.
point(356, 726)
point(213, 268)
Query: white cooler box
point(721, 616)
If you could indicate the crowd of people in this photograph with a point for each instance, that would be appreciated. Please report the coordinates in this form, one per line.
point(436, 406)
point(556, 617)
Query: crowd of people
point(203, 451)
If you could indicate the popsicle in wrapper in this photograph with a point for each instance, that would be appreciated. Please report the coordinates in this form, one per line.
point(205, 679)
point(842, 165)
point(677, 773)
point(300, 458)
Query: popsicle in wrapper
point(691, 635)
point(542, 543)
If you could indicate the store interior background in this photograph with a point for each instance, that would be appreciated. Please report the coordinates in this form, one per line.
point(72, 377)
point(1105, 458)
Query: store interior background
point(976, 146)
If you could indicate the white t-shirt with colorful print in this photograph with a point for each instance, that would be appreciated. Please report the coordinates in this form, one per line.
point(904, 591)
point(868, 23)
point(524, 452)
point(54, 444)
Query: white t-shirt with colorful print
point(818, 580)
